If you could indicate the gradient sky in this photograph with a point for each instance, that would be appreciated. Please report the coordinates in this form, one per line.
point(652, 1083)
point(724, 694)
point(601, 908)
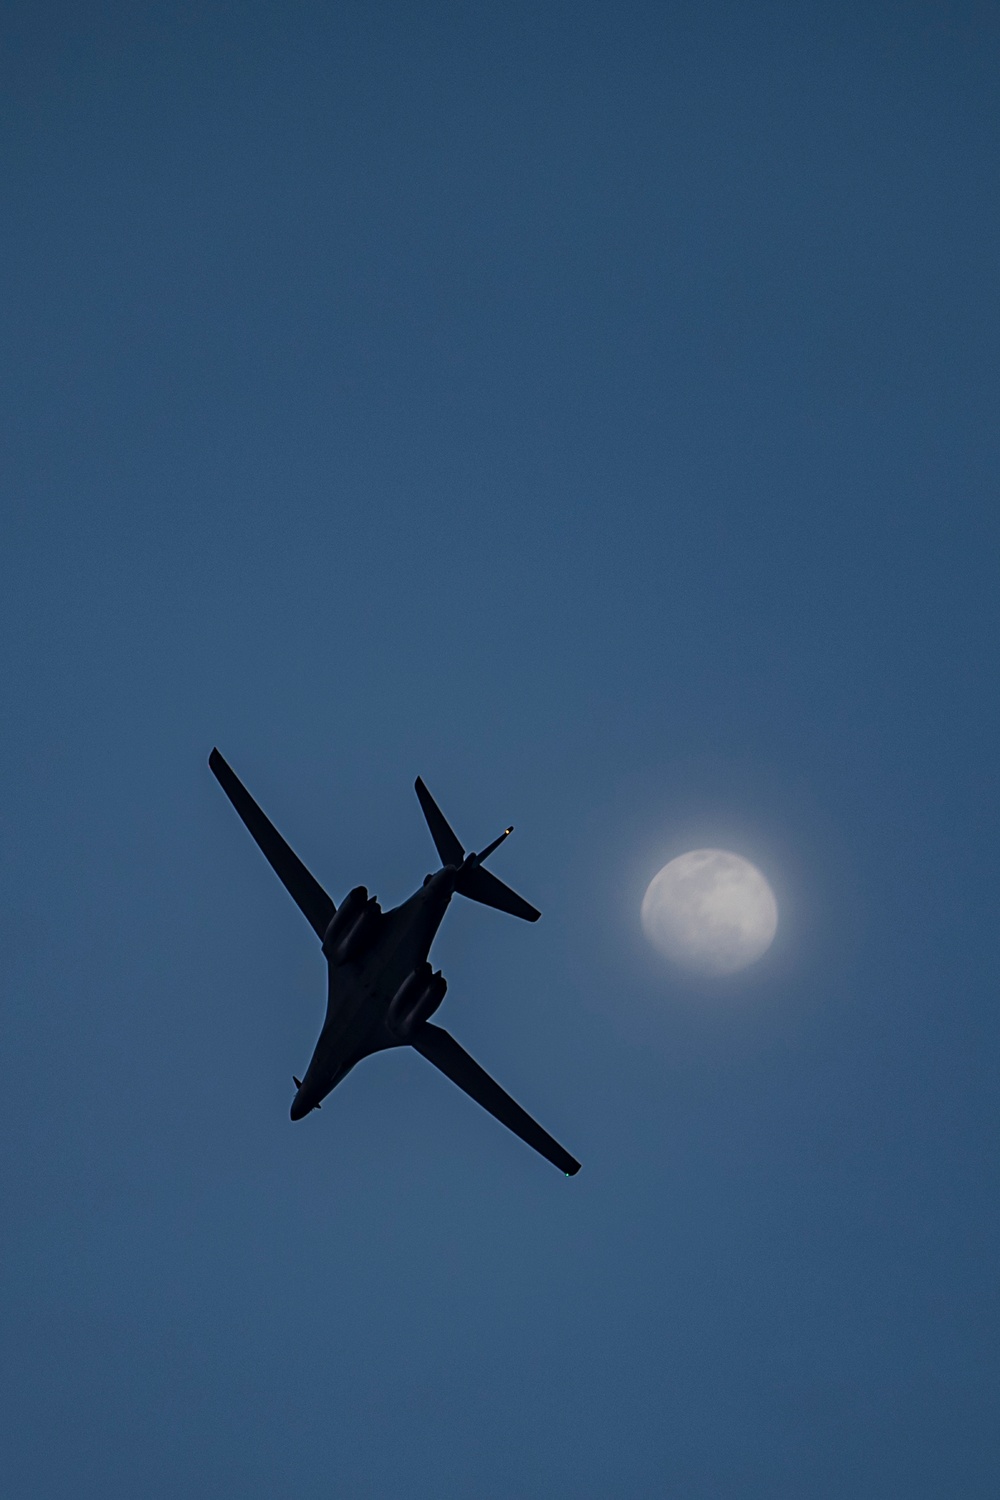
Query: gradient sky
point(593, 409)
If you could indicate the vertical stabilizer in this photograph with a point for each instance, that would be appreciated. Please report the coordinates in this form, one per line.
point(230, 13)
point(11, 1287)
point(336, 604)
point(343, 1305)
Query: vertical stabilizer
point(473, 881)
point(442, 833)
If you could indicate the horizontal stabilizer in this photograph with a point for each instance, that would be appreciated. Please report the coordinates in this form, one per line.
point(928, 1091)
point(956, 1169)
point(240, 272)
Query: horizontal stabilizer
point(307, 893)
point(445, 840)
point(473, 881)
point(480, 885)
point(440, 1048)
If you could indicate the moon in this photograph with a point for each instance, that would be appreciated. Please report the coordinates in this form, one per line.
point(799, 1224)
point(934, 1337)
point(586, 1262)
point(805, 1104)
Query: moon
point(710, 911)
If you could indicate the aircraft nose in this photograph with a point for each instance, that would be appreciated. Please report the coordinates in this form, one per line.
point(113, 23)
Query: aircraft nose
point(299, 1108)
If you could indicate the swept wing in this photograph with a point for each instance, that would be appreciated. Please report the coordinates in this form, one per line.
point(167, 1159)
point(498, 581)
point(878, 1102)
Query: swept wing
point(440, 1048)
point(304, 889)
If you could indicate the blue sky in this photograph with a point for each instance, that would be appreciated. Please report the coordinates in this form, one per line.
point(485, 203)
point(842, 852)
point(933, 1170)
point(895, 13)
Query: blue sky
point(593, 410)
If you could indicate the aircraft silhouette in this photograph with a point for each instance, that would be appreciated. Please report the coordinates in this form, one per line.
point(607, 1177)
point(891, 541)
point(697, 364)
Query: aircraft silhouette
point(382, 989)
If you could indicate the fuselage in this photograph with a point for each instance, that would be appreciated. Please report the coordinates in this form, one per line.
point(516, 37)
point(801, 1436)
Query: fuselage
point(361, 990)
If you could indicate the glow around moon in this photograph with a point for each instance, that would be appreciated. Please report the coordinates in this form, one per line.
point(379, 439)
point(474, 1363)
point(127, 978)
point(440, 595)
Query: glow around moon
point(710, 911)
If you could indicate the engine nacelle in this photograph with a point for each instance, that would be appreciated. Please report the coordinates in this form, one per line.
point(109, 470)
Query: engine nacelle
point(353, 928)
point(361, 936)
point(416, 1000)
point(345, 917)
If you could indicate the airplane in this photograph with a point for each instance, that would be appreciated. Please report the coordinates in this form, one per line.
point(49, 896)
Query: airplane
point(382, 990)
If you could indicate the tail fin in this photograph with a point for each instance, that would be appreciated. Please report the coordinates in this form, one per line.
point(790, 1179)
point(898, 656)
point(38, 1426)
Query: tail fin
point(473, 881)
point(442, 833)
point(479, 885)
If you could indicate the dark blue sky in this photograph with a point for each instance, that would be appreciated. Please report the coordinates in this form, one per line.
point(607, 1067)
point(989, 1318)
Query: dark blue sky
point(592, 408)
